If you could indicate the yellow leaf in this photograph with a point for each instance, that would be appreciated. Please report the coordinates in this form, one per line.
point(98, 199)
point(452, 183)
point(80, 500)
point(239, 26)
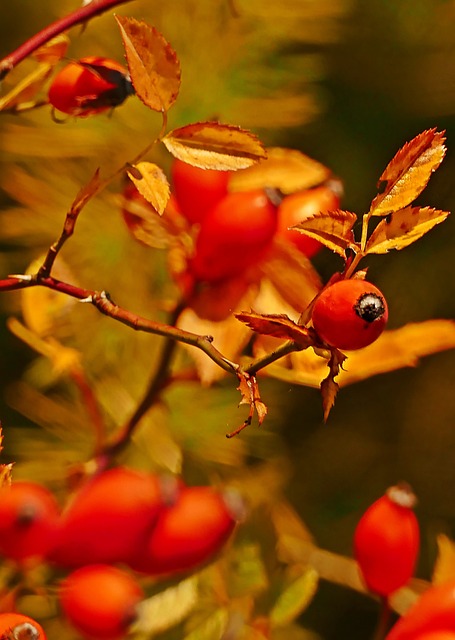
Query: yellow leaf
point(332, 228)
point(213, 627)
point(295, 598)
point(212, 145)
point(403, 227)
point(292, 274)
point(152, 184)
point(152, 63)
point(444, 569)
point(52, 51)
point(26, 89)
point(407, 174)
point(288, 170)
point(166, 609)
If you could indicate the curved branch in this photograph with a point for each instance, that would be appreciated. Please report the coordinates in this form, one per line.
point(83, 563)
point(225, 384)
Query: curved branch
point(79, 16)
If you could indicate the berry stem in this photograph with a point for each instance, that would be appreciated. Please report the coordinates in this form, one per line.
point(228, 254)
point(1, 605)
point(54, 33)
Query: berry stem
point(383, 619)
point(79, 16)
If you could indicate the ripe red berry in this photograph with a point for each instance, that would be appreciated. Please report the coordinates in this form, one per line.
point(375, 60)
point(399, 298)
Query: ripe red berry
point(100, 601)
point(187, 533)
point(29, 517)
point(299, 206)
point(15, 626)
point(88, 86)
point(197, 190)
point(433, 612)
point(108, 518)
point(234, 235)
point(350, 314)
point(386, 541)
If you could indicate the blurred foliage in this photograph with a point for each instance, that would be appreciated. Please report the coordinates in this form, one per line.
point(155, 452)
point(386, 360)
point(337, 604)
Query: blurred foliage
point(345, 81)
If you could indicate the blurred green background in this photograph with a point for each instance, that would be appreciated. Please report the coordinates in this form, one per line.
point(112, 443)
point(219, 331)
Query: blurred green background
point(347, 82)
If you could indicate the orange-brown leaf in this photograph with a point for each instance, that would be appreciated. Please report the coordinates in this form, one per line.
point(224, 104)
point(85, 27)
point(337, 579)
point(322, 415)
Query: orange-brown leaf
point(332, 228)
point(53, 51)
point(329, 388)
point(276, 325)
point(288, 170)
point(403, 227)
point(212, 145)
point(409, 171)
point(444, 568)
point(249, 390)
point(153, 64)
point(151, 182)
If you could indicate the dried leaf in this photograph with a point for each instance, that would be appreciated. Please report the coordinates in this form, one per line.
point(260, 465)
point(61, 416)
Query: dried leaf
point(151, 182)
point(53, 51)
point(212, 145)
point(444, 568)
point(292, 274)
point(276, 325)
point(403, 227)
point(86, 193)
point(5, 475)
point(332, 228)
point(153, 64)
point(295, 598)
point(288, 170)
point(409, 171)
point(249, 389)
point(25, 90)
point(329, 388)
point(166, 609)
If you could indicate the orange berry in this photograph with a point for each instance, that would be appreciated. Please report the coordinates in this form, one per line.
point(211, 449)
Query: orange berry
point(386, 541)
point(29, 517)
point(350, 314)
point(100, 601)
point(15, 626)
point(88, 86)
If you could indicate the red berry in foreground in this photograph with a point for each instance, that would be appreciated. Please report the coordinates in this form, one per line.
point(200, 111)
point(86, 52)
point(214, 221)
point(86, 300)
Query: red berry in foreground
point(197, 190)
point(350, 314)
point(386, 541)
point(234, 235)
point(433, 612)
point(108, 518)
point(15, 626)
point(188, 533)
point(100, 601)
point(90, 85)
point(29, 517)
point(299, 206)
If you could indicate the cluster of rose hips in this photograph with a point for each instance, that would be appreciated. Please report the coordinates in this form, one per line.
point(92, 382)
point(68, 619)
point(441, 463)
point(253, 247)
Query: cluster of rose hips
point(386, 546)
point(151, 525)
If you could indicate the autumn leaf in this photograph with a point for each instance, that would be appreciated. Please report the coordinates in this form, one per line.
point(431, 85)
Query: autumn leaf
point(295, 598)
point(408, 173)
point(53, 51)
point(25, 90)
point(444, 568)
point(249, 391)
point(276, 325)
point(329, 388)
point(152, 184)
point(288, 170)
point(403, 227)
point(152, 63)
point(332, 228)
point(212, 145)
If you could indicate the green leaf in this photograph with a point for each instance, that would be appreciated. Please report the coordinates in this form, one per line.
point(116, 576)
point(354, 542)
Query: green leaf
point(295, 598)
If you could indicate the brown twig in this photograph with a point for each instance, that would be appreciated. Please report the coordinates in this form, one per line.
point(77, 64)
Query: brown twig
point(79, 16)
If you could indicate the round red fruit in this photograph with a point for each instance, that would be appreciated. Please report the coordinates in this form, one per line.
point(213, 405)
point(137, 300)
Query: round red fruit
point(235, 235)
point(386, 541)
point(187, 533)
point(15, 626)
point(29, 516)
point(88, 86)
point(108, 518)
point(197, 190)
point(299, 206)
point(350, 314)
point(100, 601)
point(433, 612)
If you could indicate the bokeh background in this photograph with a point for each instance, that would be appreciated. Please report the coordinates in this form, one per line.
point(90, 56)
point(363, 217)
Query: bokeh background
point(345, 81)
